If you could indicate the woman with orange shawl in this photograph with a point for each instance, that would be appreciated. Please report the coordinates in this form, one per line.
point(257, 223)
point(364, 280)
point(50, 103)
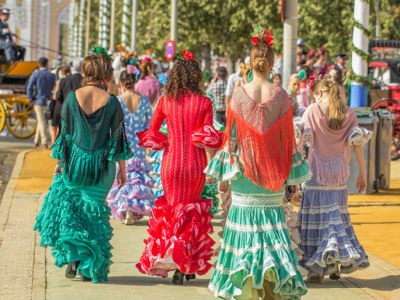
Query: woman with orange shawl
point(257, 260)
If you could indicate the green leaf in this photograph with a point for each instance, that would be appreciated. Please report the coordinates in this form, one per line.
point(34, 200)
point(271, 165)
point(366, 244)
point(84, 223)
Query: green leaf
point(258, 29)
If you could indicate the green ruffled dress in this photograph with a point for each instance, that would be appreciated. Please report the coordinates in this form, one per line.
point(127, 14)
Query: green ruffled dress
point(256, 245)
point(74, 219)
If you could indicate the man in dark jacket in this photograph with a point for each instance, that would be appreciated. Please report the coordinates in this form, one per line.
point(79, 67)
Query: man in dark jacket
point(40, 86)
point(71, 83)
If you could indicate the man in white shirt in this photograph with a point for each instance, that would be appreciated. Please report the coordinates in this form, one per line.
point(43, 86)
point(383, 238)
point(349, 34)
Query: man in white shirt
point(233, 78)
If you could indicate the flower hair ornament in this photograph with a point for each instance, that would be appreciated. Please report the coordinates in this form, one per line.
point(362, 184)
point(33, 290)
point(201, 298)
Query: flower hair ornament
point(162, 78)
point(261, 35)
point(101, 51)
point(146, 60)
point(313, 80)
point(184, 55)
point(302, 74)
point(131, 69)
point(134, 61)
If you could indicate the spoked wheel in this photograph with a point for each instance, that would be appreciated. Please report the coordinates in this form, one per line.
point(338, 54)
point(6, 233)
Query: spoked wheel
point(395, 151)
point(394, 107)
point(388, 104)
point(2, 116)
point(20, 120)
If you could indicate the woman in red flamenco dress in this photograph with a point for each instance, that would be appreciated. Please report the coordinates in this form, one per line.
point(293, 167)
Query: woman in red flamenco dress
point(181, 224)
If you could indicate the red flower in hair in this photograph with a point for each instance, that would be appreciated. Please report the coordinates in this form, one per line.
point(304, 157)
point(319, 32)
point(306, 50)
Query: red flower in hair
point(264, 37)
point(323, 48)
point(312, 52)
point(188, 55)
point(312, 81)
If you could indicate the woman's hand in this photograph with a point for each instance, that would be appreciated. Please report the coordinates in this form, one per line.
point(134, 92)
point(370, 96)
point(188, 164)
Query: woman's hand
point(223, 187)
point(121, 179)
point(58, 169)
point(361, 183)
point(209, 179)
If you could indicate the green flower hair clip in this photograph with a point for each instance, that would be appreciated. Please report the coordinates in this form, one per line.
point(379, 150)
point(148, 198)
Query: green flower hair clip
point(302, 74)
point(101, 51)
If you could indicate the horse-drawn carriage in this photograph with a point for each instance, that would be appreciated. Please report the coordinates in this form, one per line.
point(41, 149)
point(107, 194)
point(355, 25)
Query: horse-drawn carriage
point(16, 113)
point(384, 71)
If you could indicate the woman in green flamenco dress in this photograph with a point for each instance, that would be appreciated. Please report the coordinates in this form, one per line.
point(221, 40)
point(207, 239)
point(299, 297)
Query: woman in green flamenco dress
point(74, 219)
point(256, 259)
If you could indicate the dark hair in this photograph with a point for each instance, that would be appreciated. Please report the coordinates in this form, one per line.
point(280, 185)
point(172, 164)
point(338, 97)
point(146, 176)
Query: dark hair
point(222, 72)
point(43, 61)
point(335, 75)
point(184, 76)
point(127, 79)
point(144, 69)
point(65, 71)
point(261, 57)
point(97, 68)
point(124, 62)
point(277, 75)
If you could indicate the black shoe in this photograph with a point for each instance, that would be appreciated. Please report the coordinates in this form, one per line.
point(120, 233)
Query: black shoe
point(83, 278)
point(70, 272)
point(334, 276)
point(178, 277)
point(190, 277)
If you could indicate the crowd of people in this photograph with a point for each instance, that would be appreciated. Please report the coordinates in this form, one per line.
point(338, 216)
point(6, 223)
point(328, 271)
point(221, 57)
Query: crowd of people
point(263, 148)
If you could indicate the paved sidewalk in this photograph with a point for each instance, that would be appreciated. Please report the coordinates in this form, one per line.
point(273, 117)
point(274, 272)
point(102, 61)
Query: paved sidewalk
point(28, 271)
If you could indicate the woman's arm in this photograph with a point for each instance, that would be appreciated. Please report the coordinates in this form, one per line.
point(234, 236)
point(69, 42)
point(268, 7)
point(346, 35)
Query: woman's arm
point(362, 178)
point(121, 177)
point(56, 90)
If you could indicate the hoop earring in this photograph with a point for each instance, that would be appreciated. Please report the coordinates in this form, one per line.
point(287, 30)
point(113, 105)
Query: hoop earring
point(250, 76)
point(271, 76)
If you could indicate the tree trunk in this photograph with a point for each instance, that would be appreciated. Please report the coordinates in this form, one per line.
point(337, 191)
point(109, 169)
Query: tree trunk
point(231, 64)
point(206, 55)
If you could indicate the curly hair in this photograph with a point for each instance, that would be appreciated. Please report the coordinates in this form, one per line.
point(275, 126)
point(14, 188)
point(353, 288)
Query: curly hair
point(183, 77)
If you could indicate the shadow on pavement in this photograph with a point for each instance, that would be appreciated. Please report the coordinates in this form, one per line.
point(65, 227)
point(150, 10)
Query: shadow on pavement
point(387, 283)
point(152, 281)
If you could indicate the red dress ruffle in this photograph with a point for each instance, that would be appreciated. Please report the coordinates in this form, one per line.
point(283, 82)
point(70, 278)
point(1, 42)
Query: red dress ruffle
point(207, 136)
point(152, 139)
point(179, 239)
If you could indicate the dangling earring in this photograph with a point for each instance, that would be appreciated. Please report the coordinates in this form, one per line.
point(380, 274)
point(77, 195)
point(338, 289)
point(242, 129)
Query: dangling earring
point(250, 76)
point(271, 76)
point(290, 91)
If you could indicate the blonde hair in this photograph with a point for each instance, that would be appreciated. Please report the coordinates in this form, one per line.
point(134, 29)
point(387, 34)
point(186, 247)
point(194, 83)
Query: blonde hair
point(293, 77)
point(337, 109)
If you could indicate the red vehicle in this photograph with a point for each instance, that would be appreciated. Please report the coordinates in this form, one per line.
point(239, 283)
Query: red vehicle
point(385, 91)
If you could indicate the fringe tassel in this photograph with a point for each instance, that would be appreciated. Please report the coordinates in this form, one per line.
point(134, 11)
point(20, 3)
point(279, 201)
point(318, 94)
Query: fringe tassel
point(93, 166)
point(266, 157)
point(332, 172)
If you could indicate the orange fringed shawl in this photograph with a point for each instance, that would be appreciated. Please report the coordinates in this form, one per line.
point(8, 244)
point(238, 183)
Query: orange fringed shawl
point(265, 137)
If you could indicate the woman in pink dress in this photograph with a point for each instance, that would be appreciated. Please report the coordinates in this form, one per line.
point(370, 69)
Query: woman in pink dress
point(148, 85)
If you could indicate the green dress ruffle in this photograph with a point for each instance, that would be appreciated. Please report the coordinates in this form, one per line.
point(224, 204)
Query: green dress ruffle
point(74, 219)
point(256, 250)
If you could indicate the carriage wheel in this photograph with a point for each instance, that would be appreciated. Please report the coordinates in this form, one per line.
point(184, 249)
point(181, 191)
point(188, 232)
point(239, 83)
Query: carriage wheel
point(20, 120)
point(395, 151)
point(388, 104)
point(2, 116)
